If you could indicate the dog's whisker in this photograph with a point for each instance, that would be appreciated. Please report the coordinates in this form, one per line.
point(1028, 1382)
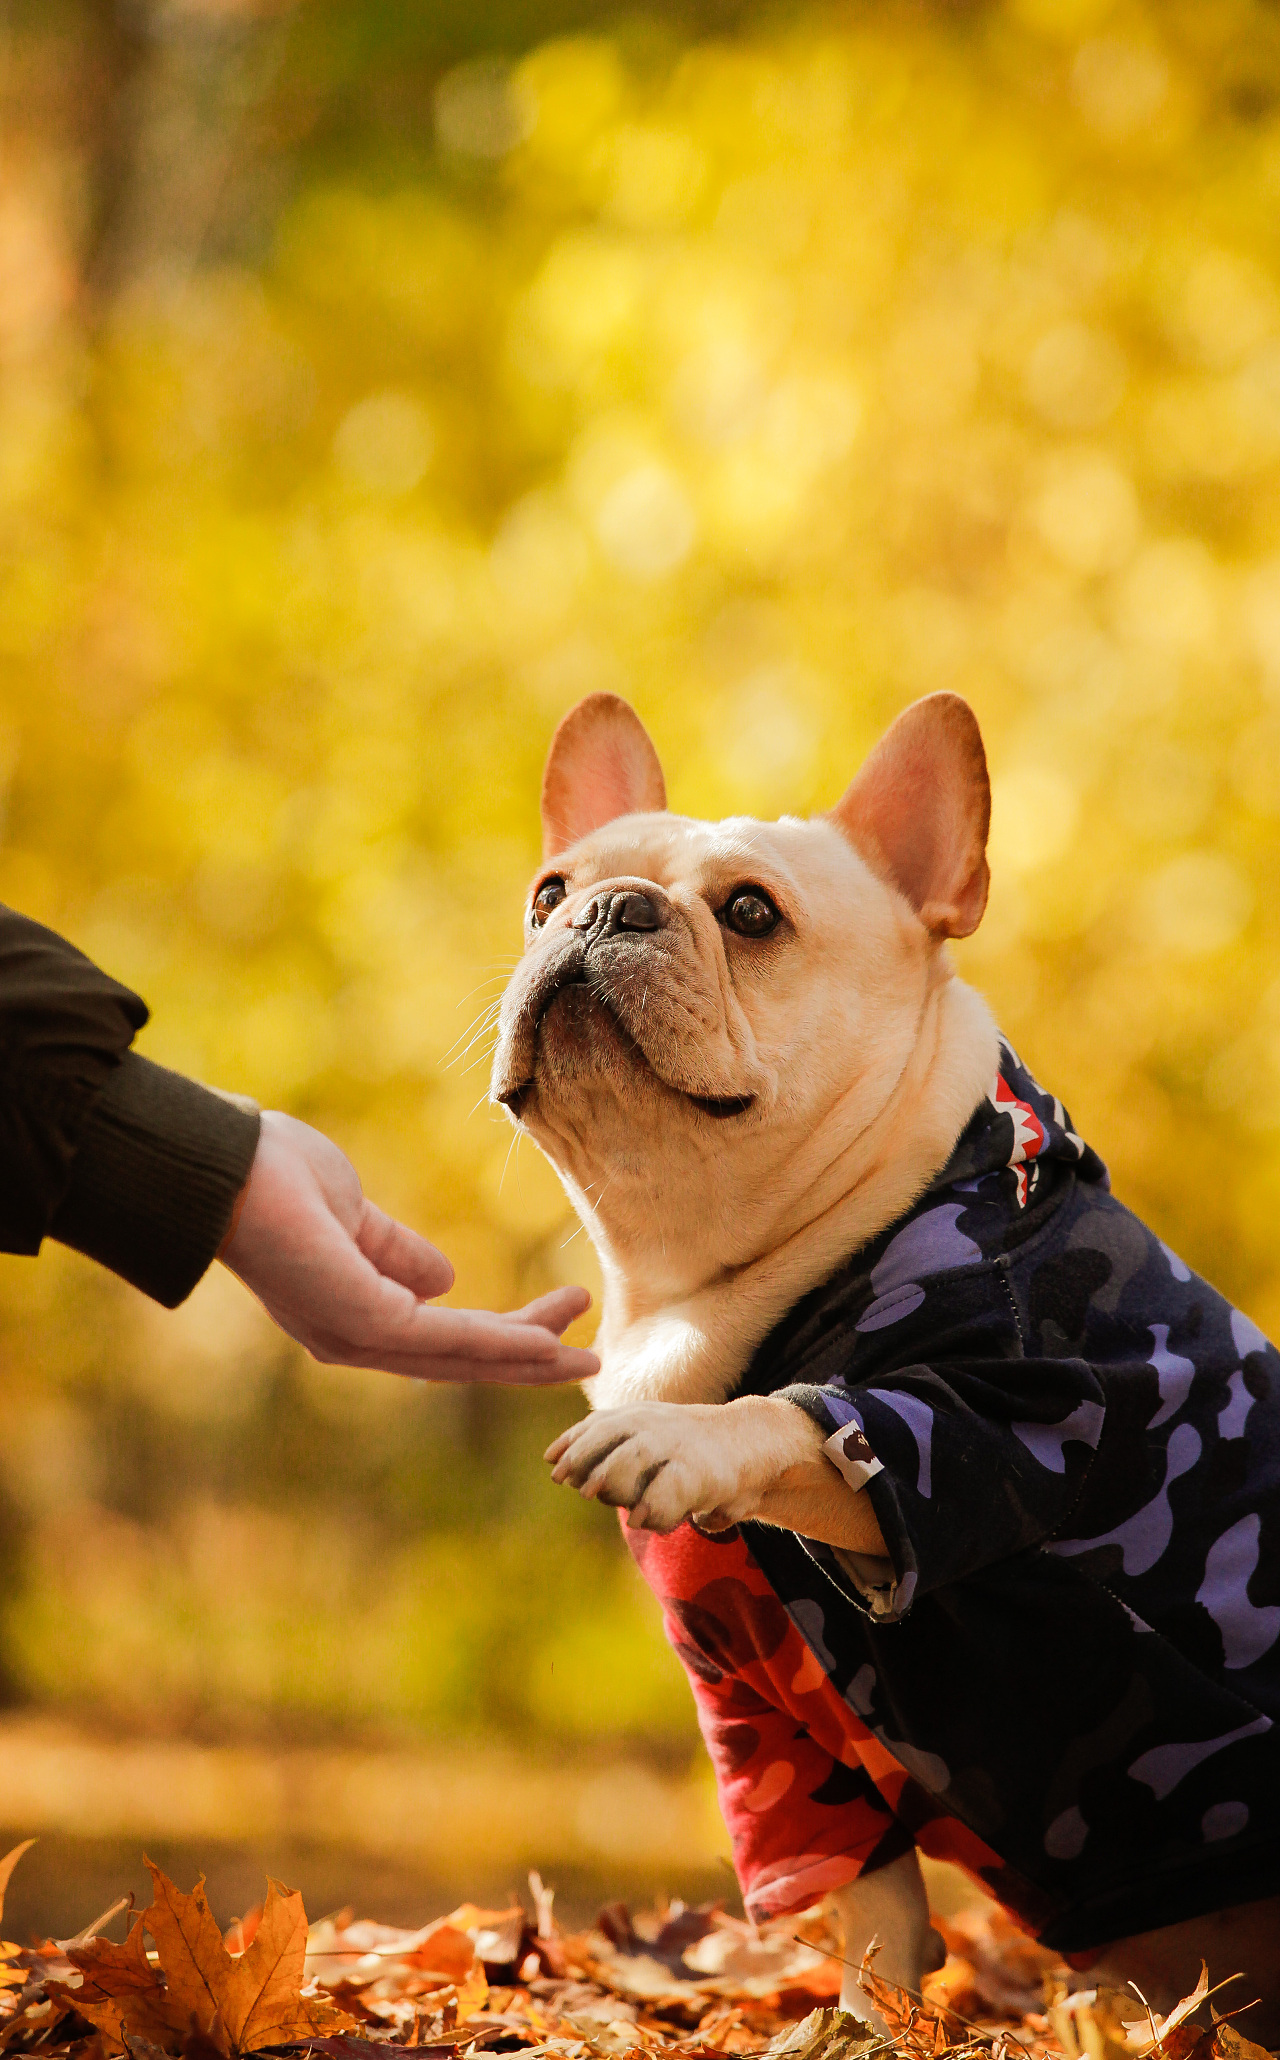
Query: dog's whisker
point(478, 1032)
point(486, 1009)
point(475, 1034)
point(472, 1035)
point(515, 1139)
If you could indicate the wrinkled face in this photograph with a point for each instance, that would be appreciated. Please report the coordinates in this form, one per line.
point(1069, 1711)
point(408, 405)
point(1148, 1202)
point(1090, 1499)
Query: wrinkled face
point(703, 1008)
point(709, 1017)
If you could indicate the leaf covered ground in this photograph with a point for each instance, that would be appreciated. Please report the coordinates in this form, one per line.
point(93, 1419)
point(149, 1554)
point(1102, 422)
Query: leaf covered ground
point(673, 1984)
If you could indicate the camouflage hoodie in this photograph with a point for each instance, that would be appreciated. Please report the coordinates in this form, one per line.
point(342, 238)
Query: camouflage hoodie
point(1069, 1661)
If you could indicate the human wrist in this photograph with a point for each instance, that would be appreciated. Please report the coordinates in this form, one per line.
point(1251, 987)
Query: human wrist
point(237, 1211)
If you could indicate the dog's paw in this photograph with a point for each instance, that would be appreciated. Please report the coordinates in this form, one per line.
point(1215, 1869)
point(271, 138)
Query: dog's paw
point(657, 1460)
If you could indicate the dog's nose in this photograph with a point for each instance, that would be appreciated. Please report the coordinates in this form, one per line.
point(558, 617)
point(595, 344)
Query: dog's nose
point(628, 909)
point(633, 911)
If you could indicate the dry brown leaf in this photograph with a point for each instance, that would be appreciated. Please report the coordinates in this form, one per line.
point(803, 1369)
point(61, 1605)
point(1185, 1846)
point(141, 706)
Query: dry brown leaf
point(187, 1939)
point(7, 1865)
point(1230, 2044)
point(446, 1950)
point(235, 2003)
point(12, 1976)
point(121, 1992)
point(827, 2033)
point(241, 2002)
point(473, 1993)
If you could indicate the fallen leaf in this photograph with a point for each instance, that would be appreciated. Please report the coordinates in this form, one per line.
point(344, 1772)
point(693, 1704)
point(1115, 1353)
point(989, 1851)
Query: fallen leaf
point(142, 2049)
point(7, 1865)
point(120, 1991)
point(363, 1953)
point(200, 1999)
point(473, 1993)
point(253, 1998)
point(342, 2048)
point(13, 1974)
point(446, 1950)
point(1229, 2044)
point(825, 2034)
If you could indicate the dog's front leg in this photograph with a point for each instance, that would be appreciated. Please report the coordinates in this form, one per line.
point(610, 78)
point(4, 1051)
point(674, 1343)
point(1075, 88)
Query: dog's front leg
point(890, 1908)
point(724, 1462)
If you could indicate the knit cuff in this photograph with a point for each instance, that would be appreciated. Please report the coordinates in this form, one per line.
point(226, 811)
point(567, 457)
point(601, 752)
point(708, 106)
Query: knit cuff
point(160, 1163)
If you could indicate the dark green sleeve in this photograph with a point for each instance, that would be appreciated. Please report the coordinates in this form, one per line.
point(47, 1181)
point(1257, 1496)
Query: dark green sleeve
point(133, 1165)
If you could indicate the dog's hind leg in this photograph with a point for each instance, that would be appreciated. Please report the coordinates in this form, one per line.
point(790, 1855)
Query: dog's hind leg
point(887, 1907)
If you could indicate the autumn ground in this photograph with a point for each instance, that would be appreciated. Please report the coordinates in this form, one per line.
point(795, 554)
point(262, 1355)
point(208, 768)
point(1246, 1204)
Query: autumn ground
point(675, 1981)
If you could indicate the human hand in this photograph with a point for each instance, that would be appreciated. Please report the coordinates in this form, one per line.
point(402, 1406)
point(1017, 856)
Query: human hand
point(354, 1286)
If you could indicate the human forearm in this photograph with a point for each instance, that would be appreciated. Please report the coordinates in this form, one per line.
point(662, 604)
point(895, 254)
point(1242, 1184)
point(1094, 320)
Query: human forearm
point(160, 1165)
point(129, 1163)
point(64, 1025)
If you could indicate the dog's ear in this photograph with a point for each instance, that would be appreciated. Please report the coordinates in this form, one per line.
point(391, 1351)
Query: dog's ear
point(601, 764)
point(919, 812)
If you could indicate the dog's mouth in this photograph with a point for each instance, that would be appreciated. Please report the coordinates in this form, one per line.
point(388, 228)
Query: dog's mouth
point(720, 1108)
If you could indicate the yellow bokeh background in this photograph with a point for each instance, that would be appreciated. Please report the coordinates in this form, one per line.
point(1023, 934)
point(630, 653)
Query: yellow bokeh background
point(373, 385)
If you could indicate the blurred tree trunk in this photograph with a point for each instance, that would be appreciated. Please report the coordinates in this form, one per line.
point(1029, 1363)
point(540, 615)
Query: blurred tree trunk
point(180, 172)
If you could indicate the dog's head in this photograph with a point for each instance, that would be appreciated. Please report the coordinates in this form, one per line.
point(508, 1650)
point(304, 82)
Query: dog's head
point(708, 1016)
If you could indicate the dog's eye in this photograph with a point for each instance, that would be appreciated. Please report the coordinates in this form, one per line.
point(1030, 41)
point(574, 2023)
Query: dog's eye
point(549, 895)
point(750, 912)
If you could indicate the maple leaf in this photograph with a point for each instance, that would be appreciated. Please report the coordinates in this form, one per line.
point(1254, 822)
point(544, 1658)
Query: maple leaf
point(120, 1990)
point(245, 2001)
point(239, 2002)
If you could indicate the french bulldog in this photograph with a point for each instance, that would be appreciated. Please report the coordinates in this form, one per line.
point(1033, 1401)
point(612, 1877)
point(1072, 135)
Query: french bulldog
point(893, 1391)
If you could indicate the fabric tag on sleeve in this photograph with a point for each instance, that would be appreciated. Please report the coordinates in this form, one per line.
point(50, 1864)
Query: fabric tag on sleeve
point(849, 1452)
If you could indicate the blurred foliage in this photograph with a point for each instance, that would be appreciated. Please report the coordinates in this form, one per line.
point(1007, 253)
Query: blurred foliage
point(368, 394)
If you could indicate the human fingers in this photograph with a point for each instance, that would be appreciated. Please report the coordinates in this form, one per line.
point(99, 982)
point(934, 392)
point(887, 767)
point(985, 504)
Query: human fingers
point(389, 1326)
point(554, 1311)
point(568, 1364)
point(400, 1254)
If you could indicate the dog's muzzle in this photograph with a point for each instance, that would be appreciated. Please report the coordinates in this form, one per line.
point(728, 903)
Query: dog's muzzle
point(605, 921)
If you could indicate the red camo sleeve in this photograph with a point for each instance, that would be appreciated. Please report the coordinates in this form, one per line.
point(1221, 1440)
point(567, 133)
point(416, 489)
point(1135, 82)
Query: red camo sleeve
point(808, 1795)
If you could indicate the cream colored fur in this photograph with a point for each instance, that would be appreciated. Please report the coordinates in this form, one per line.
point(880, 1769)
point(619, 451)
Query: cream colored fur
point(886, 1914)
point(865, 1056)
point(857, 1057)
